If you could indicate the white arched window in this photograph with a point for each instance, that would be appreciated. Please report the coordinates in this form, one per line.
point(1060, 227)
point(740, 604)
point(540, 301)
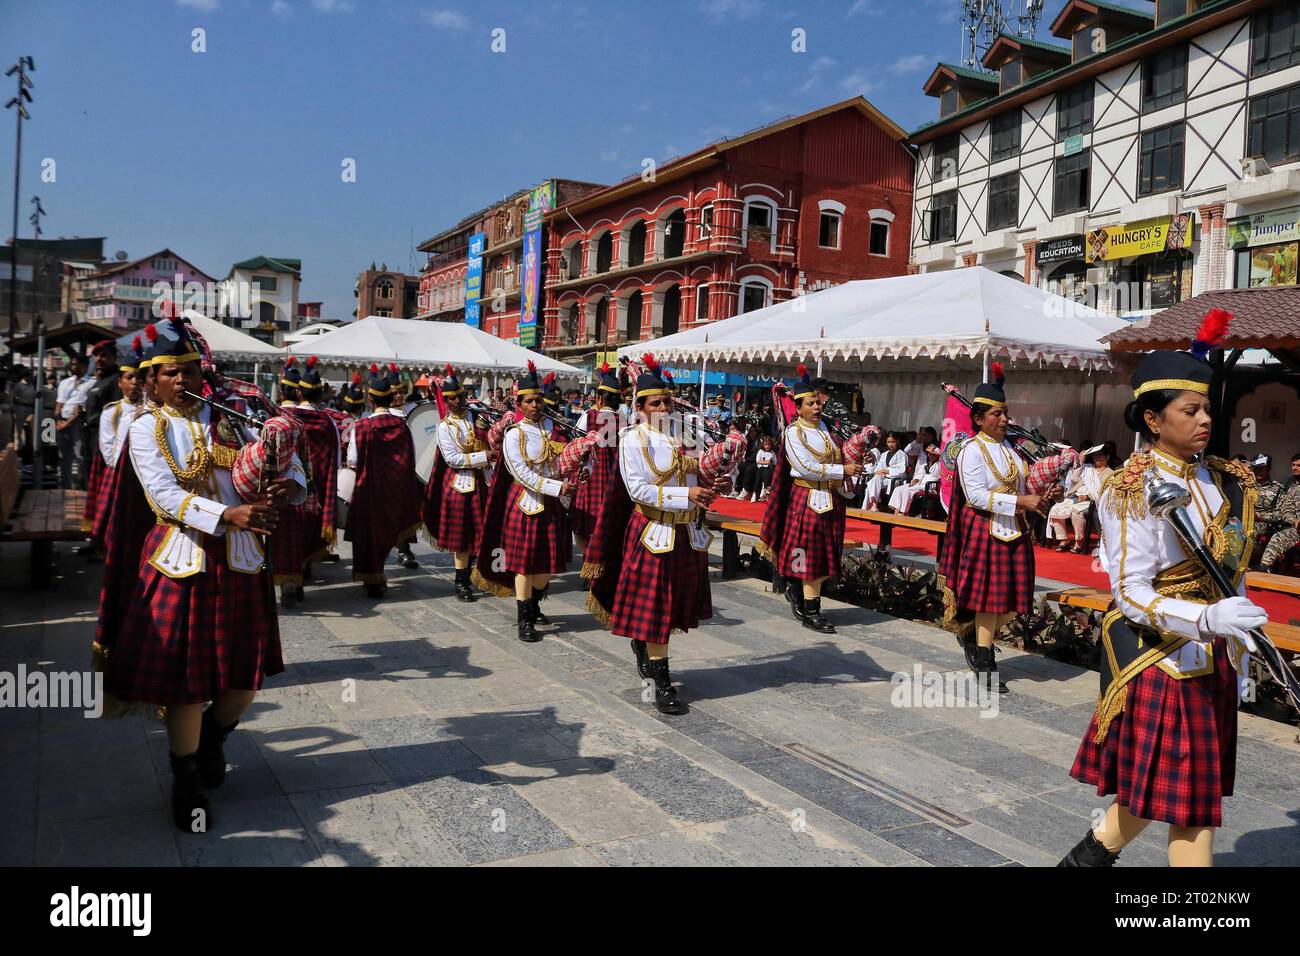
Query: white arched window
point(829, 223)
point(755, 293)
point(878, 239)
point(759, 224)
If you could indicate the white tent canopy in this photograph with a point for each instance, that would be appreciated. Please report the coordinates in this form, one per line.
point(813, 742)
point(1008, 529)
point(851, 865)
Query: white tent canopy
point(420, 345)
point(952, 317)
point(232, 345)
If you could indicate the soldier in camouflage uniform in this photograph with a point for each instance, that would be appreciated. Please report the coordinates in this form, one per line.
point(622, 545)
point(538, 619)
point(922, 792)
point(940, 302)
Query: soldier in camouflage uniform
point(1284, 515)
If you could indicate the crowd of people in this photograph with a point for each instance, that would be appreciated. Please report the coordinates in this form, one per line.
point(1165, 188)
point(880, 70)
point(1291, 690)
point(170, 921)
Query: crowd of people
point(206, 496)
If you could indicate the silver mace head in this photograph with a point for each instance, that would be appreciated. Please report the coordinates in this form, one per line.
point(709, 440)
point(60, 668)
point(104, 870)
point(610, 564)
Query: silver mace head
point(1164, 496)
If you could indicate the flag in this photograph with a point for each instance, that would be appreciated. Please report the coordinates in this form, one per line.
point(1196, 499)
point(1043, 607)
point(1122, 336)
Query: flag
point(956, 422)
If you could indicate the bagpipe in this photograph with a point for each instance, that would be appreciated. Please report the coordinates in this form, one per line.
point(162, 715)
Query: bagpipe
point(1049, 462)
point(262, 460)
point(573, 456)
point(720, 448)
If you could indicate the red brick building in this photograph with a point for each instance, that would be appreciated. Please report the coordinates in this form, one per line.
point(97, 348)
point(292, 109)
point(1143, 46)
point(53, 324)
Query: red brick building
point(381, 291)
point(442, 280)
point(798, 205)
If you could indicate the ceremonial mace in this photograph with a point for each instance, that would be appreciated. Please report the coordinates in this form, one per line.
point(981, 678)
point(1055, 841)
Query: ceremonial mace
point(1169, 500)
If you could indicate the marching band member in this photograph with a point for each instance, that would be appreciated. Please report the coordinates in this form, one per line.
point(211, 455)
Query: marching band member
point(892, 465)
point(201, 625)
point(654, 577)
point(99, 435)
point(385, 508)
point(988, 555)
point(306, 532)
point(114, 424)
point(602, 418)
point(803, 526)
point(1164, 737)
point(926, 472)
point(526, 537)
point(456, 494)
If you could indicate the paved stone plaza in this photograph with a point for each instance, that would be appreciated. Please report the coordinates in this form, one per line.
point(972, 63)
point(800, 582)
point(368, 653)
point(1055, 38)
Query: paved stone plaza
point(459, 745)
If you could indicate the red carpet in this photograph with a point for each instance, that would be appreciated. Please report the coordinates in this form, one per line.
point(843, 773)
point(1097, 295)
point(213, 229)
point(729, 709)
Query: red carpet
point(1076, 569)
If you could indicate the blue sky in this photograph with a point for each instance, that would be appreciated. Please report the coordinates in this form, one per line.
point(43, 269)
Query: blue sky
point(237, 151)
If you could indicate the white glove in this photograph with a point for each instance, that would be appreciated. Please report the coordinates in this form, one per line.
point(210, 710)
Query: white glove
point(1232, 617)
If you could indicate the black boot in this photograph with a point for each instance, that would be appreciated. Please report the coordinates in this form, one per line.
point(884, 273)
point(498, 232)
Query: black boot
point(666, 701)
point(376, 590)
point(812, 617)
point(187, 796)
point(1089, 852)
point(642, 659)
point(985, 665)
point(406, 559)
point(524, 617)
point(290, 595)
point(538, 616)
point(212, 754)
point(464, 592)
point(794, 594)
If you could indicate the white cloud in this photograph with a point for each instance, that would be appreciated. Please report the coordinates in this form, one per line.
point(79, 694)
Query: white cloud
point(948, 11)
point(203, 6)
point(445, 19)
point(281, 9)
point(858, 83)
point(333, 6)
point(911, 64)
point(816, 71)
point(720, 10)
point(865, 8)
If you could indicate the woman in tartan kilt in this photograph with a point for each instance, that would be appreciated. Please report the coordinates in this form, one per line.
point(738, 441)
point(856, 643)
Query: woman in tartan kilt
point(590, 496)
point(456, 495)
point(114, 424)
point(988, 554)
point(201, 625)
point(526, 536)
point(649, 562)
point(803, 525)
point(1175, 656)
point(297, 537)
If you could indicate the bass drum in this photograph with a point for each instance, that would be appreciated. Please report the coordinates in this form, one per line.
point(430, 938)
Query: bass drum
point(423, 423)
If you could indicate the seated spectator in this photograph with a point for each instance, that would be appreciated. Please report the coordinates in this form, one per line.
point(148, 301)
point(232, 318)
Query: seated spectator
point(891, 464)
point(925, 473)
point(1082, 489)
point(764, 461)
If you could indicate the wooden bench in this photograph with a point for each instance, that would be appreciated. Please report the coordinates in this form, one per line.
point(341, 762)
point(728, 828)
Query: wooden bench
point(732, 529)
point(887, 521)
point(1285, 636)
point(42, 518)
point(10, 479)
point(1281, 583)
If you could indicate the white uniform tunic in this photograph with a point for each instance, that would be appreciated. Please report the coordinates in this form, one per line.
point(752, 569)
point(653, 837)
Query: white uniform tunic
point(194, 513)
point(894, 464)
point(662, 492)
point(530, 459)
point(114, 426)
point(455, 436)
point(1134, 550)
point(811, 453)
point(992, 477)
point(903, 496)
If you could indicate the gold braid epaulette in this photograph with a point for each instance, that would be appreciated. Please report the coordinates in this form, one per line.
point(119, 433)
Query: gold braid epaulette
point(1125, 491)
point(1237, 469)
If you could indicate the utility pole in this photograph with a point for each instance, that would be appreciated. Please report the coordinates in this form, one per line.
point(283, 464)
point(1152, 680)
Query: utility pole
point(21, 68)
point(35, 217)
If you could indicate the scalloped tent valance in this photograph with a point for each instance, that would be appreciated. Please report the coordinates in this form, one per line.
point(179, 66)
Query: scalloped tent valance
point(948, 317)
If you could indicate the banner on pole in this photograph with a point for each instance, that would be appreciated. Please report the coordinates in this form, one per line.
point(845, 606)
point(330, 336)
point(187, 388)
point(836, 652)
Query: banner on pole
point(956, 417)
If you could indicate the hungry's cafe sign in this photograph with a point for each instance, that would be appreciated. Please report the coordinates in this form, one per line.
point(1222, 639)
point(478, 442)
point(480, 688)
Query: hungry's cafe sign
point(1139, 238)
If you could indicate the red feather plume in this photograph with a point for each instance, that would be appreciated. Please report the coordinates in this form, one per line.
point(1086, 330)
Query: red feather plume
point(651, 363)
point(356, 378)
point(392, 367)
point(311, 362)
point(550, 379)
point(998, 373)
point(532, 367)
point(135, 342)
point(151, 331)
point(604, 368)
point(374, 368)
point(1213, 330)
point(291, 361)
point(447, 369)
point(802, 370)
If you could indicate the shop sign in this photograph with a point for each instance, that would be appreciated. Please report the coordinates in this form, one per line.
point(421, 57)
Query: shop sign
point(1280, 225)
point(1139, 238)
point(1058, 250)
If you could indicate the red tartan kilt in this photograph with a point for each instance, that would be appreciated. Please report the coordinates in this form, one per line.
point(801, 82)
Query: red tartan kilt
point(103, 507)
point(660, 593)
point(817, 538)
point(1172, 754)
point(296, 538)
point(994, 577)
point(461, 514)
point(535, 544)
point(187, 640)
point(590, 496)
point(94, 486)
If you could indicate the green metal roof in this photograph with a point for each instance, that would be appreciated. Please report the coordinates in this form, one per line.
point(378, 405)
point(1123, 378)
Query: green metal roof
point(266, 262)
point(1040, 45)
point(980, 76)
point(1043, 78)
